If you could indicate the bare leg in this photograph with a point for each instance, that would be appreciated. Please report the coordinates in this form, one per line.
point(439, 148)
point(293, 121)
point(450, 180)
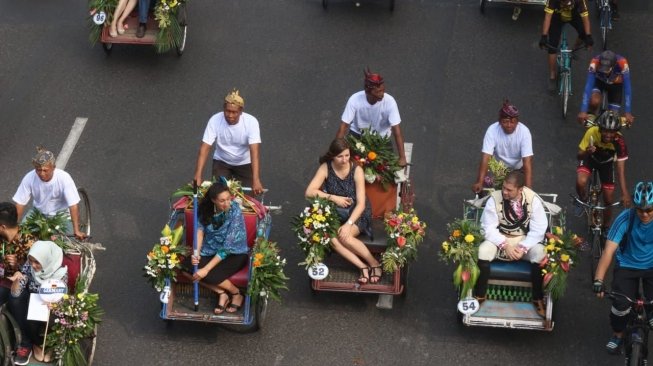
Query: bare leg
point(581, 185)
point(552, 65)
point(608, 199)
point(351, 257)
point(128, 9)
point(113, 31)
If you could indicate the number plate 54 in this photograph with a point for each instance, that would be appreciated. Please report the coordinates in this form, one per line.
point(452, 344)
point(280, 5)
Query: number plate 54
point(318, 272)
point(468, 306)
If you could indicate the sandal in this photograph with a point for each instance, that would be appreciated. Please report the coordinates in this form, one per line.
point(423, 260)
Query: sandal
point(374, 278)
point(219, 305)
point(232, 308)
point(365, 276)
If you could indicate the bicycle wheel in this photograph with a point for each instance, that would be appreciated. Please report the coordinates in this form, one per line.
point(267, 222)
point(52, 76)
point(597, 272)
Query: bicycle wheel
point(84, 207)
point(564, 91)
point(595, 252)
point(605, 26)
point(636, 357)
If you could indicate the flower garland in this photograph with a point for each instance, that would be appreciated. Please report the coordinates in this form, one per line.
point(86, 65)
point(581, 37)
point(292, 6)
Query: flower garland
point(461, 247)
point(267, 270)
point(405, 231)
point(374, 154)
point(165, 258)
point(314, 227)
point(561, 253)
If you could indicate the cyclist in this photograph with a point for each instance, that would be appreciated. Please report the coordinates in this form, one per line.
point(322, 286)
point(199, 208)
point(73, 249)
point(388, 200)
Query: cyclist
point(603, 148)
point(631, 237)
point(556, 14)
point(608, 72)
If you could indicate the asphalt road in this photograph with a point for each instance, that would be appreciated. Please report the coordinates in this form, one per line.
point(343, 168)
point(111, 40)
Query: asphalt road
point(447, 65)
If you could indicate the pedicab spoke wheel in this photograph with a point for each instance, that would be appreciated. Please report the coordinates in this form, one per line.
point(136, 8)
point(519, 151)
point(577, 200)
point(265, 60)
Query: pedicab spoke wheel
point(84, 207)
point(182, 45)
point(6, 344)
point(107, 47)
point(182, 19)
point(88, 346)
point(482, 6)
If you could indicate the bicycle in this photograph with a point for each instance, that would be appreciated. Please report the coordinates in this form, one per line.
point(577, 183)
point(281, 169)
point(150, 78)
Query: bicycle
point(636, 334)
point(604, 12)
point(563, 76)
point(594, 211)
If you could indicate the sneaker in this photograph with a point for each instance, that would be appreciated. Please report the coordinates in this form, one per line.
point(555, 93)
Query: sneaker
point(23, 355)
point(614, 345)
point(140, 32)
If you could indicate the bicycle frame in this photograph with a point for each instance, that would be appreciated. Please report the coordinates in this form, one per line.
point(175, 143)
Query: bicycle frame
point(563, 60)
point(604, 12)
point(636, 334)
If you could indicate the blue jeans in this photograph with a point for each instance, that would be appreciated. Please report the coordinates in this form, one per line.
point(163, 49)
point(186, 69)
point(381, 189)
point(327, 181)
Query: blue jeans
point(143, 9)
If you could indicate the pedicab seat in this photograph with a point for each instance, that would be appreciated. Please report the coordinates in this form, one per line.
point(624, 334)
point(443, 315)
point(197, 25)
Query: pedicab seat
point(380, 239)
point(240, 278)
point(74, 263)
point(510, 270)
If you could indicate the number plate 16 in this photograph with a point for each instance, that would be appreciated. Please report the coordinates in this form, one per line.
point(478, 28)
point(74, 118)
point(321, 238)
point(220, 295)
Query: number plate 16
point(318, 272)
point(468, 306)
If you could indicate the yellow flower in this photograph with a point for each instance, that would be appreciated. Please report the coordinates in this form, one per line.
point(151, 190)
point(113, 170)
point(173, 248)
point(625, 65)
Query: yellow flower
point(557, 230)
point(307, 222)
point(469, 238)
point(550, 248)
point(315, 238)
point(415, 219)
point(552, 241)
point(173, 257)
point(445, 246)
point(80, 296)
point(65, 297)
point(564, 257)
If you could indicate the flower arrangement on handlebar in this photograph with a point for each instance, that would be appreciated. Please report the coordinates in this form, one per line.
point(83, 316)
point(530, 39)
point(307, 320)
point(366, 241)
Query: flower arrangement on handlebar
point(405, 232)
point(461, 247)
point(315, 226)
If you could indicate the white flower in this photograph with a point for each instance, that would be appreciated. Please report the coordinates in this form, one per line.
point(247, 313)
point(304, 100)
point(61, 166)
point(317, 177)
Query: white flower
point(360, 147)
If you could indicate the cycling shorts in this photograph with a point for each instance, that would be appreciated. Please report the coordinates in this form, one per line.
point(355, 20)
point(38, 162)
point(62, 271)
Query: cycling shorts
point(606, 171)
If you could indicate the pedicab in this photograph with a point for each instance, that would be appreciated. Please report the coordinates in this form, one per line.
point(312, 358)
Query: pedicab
point(508, 301)
point(259, 281)
point(166, 26)
point(71, 347)
point(331, 272)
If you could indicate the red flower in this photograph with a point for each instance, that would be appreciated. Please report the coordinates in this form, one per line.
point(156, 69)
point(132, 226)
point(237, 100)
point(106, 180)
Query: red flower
point(465, 275)
point(393, 222)
point(401, 241)
point(565, 266)
point(544, 261)
point(547, 278)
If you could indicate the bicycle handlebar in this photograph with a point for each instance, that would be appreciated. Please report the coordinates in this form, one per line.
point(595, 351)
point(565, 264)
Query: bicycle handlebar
point(592, 207)
point(548, 46)
point(614, 294)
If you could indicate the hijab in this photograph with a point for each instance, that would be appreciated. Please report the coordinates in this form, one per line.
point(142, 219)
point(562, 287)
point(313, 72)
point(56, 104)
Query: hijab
point(50, 256)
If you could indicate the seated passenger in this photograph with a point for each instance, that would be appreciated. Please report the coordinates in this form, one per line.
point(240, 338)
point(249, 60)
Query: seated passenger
point(341, 181)
point(44, 262)
point(221, 244)
point(514, 223)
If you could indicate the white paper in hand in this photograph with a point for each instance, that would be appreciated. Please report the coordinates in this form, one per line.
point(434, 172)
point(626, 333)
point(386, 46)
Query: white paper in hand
point(38, 309)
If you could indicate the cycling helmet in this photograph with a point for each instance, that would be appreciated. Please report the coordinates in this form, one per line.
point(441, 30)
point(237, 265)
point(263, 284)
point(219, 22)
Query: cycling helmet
point(643, 197)
point(607, 60)
point(508, 110)
point(609, 121)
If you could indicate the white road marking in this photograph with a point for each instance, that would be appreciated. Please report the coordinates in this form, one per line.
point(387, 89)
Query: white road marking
point(71, 142)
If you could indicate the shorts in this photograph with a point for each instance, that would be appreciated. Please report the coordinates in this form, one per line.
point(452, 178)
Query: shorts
point(614, 91)
point(242, 173)
point(555, 30)
point(606, 171)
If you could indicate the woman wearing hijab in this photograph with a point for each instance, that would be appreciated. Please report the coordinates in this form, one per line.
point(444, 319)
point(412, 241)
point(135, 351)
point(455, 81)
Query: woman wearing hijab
point(44, 262)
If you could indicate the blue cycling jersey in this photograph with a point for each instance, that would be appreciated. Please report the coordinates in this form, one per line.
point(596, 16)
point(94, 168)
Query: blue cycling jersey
point(637, 252)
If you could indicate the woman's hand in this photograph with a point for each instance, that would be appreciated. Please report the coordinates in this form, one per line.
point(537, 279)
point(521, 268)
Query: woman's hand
point(16, 277)
point(194, 260)
point(201, 273)
point(11, 260)
point(342, 201)
point(344, 232)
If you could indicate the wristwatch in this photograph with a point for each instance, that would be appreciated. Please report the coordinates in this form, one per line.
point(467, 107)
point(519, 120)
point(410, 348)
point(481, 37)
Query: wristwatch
point(350, 222)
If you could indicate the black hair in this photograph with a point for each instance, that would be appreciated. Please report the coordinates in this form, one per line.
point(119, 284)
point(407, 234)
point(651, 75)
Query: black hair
point(8, 214)
point(206, 207)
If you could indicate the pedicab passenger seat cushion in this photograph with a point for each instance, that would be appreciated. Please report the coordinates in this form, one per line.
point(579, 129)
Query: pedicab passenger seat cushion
point(74, 264)
point(380, 240)
point(239, 278)
point(510, 270)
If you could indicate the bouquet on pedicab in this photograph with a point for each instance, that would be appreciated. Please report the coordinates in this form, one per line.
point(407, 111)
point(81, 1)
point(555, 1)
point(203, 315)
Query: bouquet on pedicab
point(267, 271)
point(561, 250)
point(497, 173)
point(374, 154)
point(461, 249)
point(165, 258)
point(75, 317)
point(405, 232)
point(314, 227)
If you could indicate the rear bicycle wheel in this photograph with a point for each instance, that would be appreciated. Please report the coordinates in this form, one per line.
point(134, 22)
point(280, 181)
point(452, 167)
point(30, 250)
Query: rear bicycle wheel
point(565, 90)
point(595, 252)
point(636, 357)
point(605, 27)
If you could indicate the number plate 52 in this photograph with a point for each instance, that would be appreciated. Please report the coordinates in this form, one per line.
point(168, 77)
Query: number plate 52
point(468, 306)
point(318, 272)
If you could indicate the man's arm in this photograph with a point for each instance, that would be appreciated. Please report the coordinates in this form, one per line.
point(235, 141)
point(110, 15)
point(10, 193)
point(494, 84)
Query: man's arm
point(399, 141)
point(609, 249)
point(620, 166)
point(482, 169)
point(528, 170)
point(490, 223)
point(537, 225)
point(20, 209)
point(546, 24)
point(74, 217)
point(201, 160)
point(342, 130)
point(257, 186)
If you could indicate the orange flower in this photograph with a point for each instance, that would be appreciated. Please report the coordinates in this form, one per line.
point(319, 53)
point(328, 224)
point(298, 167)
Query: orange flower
point(456, 233)
point(165, 249)
point(258, 256)
point(257, 263)
point(371, 155)
point(150, 255)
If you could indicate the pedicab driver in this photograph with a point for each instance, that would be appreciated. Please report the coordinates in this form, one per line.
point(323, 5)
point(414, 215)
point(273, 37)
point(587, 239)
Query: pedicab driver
point(53, 191)
point(510, 142)
point(514, 223)
point(237, 140)
point(631, 238)
point(373, 108)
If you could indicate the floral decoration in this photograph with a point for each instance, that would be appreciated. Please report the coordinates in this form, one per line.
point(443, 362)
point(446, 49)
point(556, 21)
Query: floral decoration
point(314, 227)
point(185, 195)
point(461, 249)
point(497, 172)
point(405, 232)
point(44, 227)
point(75, 317)
point(561, 250)
point(165, 258)
point(374, 154)
point(267, 270)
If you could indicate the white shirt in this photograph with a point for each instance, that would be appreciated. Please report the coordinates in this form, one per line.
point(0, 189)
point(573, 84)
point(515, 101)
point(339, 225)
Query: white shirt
point(49, 197)
point(510, 149)
point(380, 116)
point(536, 227)
point(232, 141)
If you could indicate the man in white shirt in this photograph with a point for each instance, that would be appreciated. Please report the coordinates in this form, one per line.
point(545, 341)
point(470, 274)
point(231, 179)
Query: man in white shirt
point(510, 142)
point(53, 191)
point(374, 109)
point(514, 223)
point(237, 140)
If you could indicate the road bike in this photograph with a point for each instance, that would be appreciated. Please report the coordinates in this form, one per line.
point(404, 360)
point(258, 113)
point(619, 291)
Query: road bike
point(604, 12)
point(593, 209)
point(636, 334)
point(563, 60)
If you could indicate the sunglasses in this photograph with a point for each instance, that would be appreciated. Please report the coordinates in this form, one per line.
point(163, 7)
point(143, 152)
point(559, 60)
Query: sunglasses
point(648, 211)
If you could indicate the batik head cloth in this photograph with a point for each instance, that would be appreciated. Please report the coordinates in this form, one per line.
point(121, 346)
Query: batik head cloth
point(43, 157)
point(234, 98)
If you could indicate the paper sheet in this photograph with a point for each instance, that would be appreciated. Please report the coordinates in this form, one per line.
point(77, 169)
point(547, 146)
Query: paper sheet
point(38, 309)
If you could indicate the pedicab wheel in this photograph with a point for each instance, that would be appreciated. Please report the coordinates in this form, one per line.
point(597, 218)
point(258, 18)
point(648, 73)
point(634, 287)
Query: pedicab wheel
point(84, 207)
point(107, 47)
point(258, 317)
point(87, 346)
point(181, 18)
point(404, 281)
point(182, 45)
point(6, 346)
point(482, 6)
point(392, 5)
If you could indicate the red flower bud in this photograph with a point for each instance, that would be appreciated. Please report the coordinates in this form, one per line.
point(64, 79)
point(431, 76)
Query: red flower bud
point(401, 241)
